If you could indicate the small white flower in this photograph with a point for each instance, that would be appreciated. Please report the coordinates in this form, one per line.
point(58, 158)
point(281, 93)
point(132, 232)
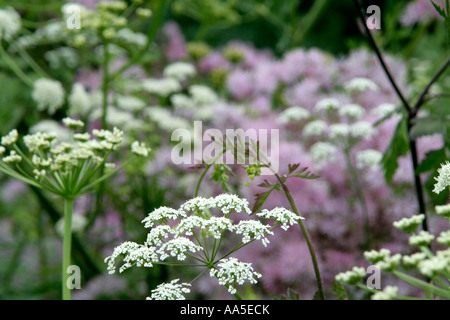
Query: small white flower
point(443, 180)
point(352, 111)
point(79, 101)
point(444, 238)
point(72, 123)
point(177, 247)
point(253, 230)
point(231, 272)
point(369, 158)
point(217, 225)
point(410, 224)
point(157, 234)
point(161, 87)
point(179, 70)
point(129, 36)
point(434, 266)
point(130, 103)
point(231, 202)
point(48, 94)
point(443, 210)
point(327, 104)
point(383, 110)
point(338, 131)
point(315, 128)
point(375, 256)
point(352, 277)
point(162, 214)
point(13, 158)
point(170, 291)
point(83, 137)
point(182, 101)
point(282, 216)
point(388, 293)
point(362, 130)
point(10, 23)
point(359, 85)
point(413, 260)
point(323, 153)
point(189, 224)
point(202, 95)
point(292, 114)
point(140, 149)
point(389, 263)
point(10, 138)
point(422, 239)
point(132, 253)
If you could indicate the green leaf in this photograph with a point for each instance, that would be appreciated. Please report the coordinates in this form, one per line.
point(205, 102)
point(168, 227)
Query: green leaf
point(426, 126)
point(339, 290)
point(440, 10)
point(432, 161)
point(399, 146)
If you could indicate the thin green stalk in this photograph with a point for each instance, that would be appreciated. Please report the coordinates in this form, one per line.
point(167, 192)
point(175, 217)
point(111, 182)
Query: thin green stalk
point(305, 234)
point(67, 246)
point(14, 67)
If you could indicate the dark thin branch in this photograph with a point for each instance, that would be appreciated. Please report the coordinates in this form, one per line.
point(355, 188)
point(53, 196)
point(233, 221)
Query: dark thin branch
point(377, 50)
point(435, 77)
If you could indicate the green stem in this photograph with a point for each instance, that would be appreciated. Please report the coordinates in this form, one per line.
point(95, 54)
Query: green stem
point(305, 234)
point(197, 189)
point(14, 67)
point(67, 246)
point(105, 81)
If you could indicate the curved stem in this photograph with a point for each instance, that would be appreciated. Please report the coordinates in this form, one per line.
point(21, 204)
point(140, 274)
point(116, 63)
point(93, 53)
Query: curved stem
point(306, 235)
point(67, 246)
point(201, 179)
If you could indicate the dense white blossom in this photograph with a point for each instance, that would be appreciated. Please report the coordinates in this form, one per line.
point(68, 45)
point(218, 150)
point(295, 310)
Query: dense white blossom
point(292, 114)
point(10, 138)
point(282, 216)
point(170, 291)
point(10, 23)
point(323, 153)
point(369, 158)
point(388, 293)
point(359, 84)
point(202, 95)
point(178, 247)
point(231, 272)
point(410, 224)
point(352, 111)
point(253, 230)
point(422, 239)
point(162, 87)
point(315, 128)
point(327, 104)
point(353, 276)
point(179, 70)
point(48, 94)
point(140, 148)
point(443, 179)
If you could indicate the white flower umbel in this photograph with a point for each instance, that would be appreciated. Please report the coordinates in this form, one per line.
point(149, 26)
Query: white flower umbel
point(10, 138)
point(231, 272)
point(413, 260)
point(48, 94)
point(189, 224)
point(315, 128)
point(79, 101)
point(182, 101)
point(353, 276)
point(409, 225)
point(140, 149)
point(232, 202)
point(178, 247)
point(179, 70)
point(217, 225)
point(375, 256)
point(157, 235)
point(383, 110)
point(253, 230)
point(202, 95)
point(281, 216)
point(444, 238)
point(132, 254)
point(443, 179)
point(422, 239)
point(351, 111)
point(388, 293)
point(323, 153)
point(293, 114)
point(327, 104)
point(161, 87)
point(338, 131)
point(170, 291)
point(359, 85)
point(162, 215)
point(439, 264)
point(10, 23)
point(443, 210)
point(362, 130)
point(389, 263)
point(369, 158)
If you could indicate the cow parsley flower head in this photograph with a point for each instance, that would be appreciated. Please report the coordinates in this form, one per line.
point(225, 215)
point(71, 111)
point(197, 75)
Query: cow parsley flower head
point(409, 225)
point(170, 291)
point(375, 256)
point(323, 153)
point(162, 215)
point(443, 179)
point(369, 158)
point(293, 114)
point(352, 111)
point(202, 95)
point(359, 85)
point(413, 260)
point(443, 210)
point(231, 272)
point(338, 131)
point(161, 87)
point(388, 293)
point(79, 101)
point(177, 247)
point(179, 70)
point(281, 216)
point(422, 239)
point(48, 94)
point(10, 138)
point(327, 104)
point(362, 130)
point(353, 276)
point(140, 149)
point(315, 128)
point(253, 230)
point(10, 24)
